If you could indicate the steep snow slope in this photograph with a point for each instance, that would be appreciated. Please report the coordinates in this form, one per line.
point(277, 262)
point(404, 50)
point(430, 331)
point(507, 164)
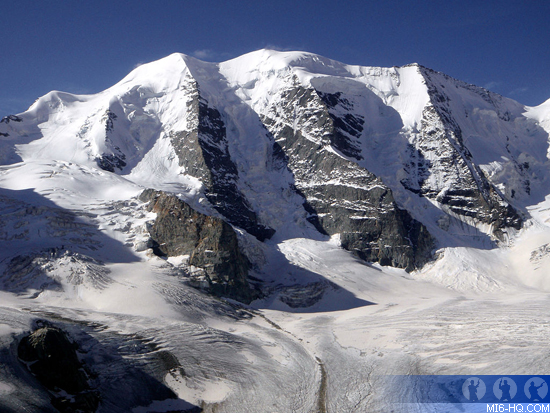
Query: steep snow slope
point(457, 157)
point(541, 114)
point(295, 143)
point(468, 153)
point(81, 129)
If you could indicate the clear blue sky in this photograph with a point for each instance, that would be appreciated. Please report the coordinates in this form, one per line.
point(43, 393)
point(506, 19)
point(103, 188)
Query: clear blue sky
point(85, 46)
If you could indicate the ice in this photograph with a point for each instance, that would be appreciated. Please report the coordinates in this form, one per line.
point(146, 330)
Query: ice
point(330, 327)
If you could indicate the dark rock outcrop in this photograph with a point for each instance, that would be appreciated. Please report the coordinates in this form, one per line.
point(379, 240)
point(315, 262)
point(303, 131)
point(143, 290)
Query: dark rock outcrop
point(117, 159)
point(108, 162)
point(210, 242)
point(321, 150)
point(462, 186)
point(203, 151)
point(347, 128)
point(12, 118)
point(109, 119)
point(52, 358)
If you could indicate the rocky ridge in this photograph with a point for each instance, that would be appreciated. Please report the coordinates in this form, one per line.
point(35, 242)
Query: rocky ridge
point(321, 150)
point(202, 151)
point(467, 192)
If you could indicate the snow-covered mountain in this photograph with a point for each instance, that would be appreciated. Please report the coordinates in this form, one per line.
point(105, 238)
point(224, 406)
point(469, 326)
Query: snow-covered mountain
point(301, 187)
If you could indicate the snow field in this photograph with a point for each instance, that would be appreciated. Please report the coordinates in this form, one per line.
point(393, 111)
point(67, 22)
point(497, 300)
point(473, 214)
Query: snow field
point(477, 309)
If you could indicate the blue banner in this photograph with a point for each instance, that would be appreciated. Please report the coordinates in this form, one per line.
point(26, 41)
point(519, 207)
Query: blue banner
point(487, 389)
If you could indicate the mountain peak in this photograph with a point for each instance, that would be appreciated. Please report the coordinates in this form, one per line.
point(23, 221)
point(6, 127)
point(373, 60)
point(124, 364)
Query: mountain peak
point(147, 123)
point(132, 219)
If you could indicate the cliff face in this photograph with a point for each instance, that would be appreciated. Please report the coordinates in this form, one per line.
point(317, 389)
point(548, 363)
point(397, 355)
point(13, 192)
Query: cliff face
point(453, 178)
point(322, 151)
point(210, 243)
point(203, 152)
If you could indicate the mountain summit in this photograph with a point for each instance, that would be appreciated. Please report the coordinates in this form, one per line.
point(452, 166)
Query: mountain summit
point(393, 161)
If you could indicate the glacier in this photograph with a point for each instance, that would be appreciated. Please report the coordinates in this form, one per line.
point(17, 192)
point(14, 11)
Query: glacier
point(394, 221)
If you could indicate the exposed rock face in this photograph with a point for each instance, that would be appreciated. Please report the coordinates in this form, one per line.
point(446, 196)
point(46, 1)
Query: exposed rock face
point(457, 182)
point(12, 118)
point(203, 152)
point(117, 159)
point(321, 149)
point(52, 358)
point(347, 128)
point(109, 162)
point(540, 254)
point(210, 242)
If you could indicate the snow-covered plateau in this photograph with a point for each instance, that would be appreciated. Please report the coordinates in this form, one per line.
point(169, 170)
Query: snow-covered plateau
point(279, 232)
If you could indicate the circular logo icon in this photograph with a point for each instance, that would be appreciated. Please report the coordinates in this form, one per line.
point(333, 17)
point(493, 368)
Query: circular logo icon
point(535, 389)
point(505, 389)
point(474, 389)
